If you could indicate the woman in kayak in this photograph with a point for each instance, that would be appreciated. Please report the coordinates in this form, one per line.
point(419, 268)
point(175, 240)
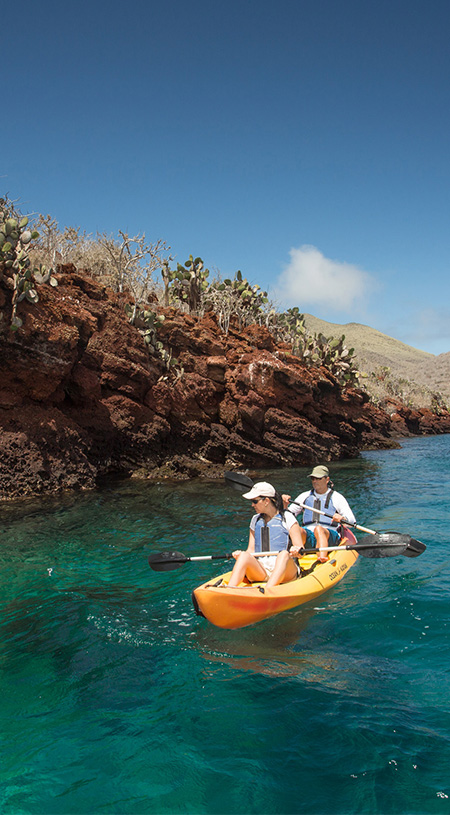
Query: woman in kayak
point(272, 530)
point(324, 510)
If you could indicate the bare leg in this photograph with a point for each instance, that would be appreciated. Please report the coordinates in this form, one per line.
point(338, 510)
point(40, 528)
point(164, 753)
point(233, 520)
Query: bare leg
point(285, 570)
point(247, 565)
point(321, 536)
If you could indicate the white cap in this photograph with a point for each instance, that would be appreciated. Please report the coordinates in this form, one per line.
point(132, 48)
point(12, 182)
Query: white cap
point(263, 489)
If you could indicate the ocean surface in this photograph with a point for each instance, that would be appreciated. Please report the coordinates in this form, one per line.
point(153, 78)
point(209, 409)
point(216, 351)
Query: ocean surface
point(116, 698)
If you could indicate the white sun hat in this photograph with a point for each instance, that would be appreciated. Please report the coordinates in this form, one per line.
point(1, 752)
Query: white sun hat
point(262, 489)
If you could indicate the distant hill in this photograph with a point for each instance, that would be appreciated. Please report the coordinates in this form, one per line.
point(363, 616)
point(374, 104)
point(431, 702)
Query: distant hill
point(417, 373)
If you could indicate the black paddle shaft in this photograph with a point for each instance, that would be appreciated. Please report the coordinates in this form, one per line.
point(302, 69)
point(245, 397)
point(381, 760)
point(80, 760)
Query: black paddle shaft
point(168, 561)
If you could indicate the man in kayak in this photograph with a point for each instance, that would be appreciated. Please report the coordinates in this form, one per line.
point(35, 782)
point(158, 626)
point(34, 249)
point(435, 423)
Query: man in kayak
point(272, 528)
point(325, 510)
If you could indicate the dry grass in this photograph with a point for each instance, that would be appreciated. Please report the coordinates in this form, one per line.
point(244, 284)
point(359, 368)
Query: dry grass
point(413, 375)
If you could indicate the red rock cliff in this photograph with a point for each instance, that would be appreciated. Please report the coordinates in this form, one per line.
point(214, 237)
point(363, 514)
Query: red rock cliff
point(80, 397)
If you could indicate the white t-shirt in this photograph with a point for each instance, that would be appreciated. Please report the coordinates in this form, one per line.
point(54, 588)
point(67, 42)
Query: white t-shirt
point(339, 502)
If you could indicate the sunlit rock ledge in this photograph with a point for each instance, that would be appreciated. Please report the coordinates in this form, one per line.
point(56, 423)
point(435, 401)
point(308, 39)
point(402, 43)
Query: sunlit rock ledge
point(81, 398)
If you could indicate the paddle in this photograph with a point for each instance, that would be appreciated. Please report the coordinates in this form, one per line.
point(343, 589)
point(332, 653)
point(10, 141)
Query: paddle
point(404, 544)
point(239, 481)
point(167, 561)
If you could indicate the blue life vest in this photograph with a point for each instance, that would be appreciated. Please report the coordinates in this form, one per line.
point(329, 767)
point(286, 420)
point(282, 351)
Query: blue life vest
point(277, 537)
point(310, 517)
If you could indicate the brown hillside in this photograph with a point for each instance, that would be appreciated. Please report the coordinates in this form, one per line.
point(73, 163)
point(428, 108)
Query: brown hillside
point(424, 372)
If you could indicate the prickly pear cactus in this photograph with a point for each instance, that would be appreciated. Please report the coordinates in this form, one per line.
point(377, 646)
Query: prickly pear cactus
point(333, 354)
point(289, 326)
point(237, 299)
point(315, 349)
point(148, 322)
point(15, 264)
point(185, 284)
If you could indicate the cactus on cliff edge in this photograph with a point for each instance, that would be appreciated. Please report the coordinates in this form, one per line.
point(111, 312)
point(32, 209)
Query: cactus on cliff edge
point(15, 264)
point(236, 298)
point(186, 283)
point(289, 326)
point(333, 354)
point(148, 322)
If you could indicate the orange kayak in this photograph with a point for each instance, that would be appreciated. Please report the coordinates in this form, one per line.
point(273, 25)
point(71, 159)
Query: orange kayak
point(249, 603)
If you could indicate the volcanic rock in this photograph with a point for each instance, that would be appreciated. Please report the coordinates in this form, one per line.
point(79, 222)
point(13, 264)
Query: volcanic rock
point(81, 397)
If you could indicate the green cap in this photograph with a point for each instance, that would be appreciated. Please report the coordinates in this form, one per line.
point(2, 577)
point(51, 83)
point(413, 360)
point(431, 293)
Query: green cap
point(319, 472)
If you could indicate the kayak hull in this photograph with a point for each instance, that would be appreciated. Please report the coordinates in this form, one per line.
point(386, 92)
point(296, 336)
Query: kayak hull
point(250, 603)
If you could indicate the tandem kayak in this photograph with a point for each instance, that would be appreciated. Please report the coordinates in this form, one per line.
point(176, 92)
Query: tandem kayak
point(249, 603)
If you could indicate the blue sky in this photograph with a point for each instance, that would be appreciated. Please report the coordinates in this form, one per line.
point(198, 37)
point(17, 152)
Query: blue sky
point(303, 142)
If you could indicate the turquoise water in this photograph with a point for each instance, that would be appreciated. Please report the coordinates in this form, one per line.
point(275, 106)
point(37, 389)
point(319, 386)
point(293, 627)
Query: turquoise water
point(116, 698)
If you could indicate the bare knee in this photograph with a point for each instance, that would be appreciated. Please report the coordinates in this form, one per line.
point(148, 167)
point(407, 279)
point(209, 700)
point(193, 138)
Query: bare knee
point(245, 558)
point(283, 558)
point(321, 535)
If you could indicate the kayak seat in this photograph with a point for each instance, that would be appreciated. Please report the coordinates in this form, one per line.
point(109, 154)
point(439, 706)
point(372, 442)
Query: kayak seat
point(304, 571)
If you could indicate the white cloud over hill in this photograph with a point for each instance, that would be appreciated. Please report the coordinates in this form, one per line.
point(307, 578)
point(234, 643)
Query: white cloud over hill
point(310, 279)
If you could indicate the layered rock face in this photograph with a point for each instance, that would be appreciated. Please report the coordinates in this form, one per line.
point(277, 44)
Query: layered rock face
point(81, 397)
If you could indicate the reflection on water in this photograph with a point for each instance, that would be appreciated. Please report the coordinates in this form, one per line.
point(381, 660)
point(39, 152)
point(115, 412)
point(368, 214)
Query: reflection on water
point(263, 648)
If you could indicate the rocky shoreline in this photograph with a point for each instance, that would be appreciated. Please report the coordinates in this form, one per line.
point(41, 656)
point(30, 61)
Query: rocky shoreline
point(81, 398)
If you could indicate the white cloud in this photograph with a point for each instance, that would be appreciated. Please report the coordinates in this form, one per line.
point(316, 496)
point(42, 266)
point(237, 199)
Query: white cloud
point(312, 279)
